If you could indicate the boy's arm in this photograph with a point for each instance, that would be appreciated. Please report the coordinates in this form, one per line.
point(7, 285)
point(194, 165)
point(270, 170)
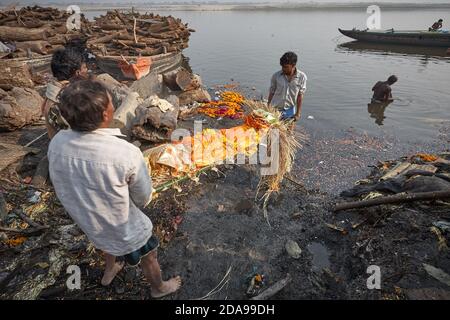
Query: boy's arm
point(300, 98)
point(140, 183)
point(298, 112)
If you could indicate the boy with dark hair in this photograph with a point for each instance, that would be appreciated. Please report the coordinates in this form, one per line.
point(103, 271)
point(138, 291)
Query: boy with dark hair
point(102, 180)
point(287, 88)
point(68, 65)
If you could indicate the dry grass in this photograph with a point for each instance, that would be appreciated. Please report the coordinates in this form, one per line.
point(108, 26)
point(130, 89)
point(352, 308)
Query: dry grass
point(289, 144)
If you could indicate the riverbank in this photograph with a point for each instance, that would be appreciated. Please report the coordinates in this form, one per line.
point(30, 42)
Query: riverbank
point(209, 237)
point(257, 6)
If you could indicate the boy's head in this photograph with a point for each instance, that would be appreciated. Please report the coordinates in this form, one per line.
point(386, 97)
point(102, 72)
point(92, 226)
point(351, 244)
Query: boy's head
point(440, 20)
point(392, 79)
point(86, 105)
point(288, 62)
point(68, 63)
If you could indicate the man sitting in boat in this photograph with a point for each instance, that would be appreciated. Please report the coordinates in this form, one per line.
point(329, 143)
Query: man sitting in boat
point(436, 26)
point(382, 91)
point(287, 88)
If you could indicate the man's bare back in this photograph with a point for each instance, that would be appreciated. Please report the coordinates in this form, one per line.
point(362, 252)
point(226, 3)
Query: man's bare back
point(382, 91)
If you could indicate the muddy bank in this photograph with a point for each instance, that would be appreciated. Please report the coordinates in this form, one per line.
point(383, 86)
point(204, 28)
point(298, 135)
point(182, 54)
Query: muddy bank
point(215, 226)
point(333, 159)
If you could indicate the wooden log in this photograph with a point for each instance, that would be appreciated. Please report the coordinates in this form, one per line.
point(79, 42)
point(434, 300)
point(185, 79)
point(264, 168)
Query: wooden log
point(157, 27)
point(22, 106)
point(41, 47)
point(150, 51)
point(125, 114)
point(105, 39)
point(15, 74)
point(271, 291)
point(152, 41)
point(22, 34)
point(199, 95)
point(60, 29)
point(129, 43)
point(169, 79)
point(121, 17)
point(181, 79)
point(26, 232)
point(41, 174)
point(125, 36)
point(110, 27)
point(399, 198)
point(118, 91)
point(3, 208)
point(27, 24)
point(7, 19)
point(59, 39)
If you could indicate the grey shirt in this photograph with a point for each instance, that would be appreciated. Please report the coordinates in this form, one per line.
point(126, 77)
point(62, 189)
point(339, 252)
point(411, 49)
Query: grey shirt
point(101, 180)
point(285, 93)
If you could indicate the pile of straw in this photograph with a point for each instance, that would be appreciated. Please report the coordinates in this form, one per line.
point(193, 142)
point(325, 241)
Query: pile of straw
point(289, 144)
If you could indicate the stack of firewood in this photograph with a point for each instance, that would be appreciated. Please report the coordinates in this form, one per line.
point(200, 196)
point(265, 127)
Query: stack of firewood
point(132, 34)
point(34, 31)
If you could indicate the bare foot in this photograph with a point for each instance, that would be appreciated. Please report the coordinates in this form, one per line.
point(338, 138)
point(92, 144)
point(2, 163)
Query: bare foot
point(110, 274)
point(167, 287)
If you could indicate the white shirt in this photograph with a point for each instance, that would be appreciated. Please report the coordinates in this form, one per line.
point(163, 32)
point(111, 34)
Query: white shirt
point(101, 180)
point(285, 92)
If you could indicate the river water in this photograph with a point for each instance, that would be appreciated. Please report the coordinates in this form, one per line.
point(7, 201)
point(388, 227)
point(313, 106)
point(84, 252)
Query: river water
point(246, 47)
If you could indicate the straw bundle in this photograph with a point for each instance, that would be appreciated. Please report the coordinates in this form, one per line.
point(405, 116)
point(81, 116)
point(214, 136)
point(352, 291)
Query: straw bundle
point(289, 143)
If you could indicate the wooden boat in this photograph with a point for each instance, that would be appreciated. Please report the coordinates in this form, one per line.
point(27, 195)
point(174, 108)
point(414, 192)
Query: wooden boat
point(405, 37)
point(134, 68)
point(393, 49)
point(22, 72)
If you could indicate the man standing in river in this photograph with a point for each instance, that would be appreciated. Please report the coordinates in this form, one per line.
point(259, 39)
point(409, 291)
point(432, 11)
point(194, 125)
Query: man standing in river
point(287, 88)
point(382, 91)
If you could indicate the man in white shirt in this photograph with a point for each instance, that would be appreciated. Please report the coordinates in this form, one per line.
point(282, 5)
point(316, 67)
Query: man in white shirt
point(102, 180)
point(287, 88)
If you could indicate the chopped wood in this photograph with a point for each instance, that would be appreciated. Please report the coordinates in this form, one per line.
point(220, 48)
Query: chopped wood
point(21, 34)
point(151, 34)
point(399, 198)
point(271, 291)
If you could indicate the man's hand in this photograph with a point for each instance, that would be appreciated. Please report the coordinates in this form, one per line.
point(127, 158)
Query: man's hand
point(297, 117)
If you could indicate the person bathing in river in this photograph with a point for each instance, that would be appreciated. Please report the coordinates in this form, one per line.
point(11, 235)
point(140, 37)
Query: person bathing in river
point(287, 88)
point(382, 92)
point(102, 181)
point(436, 26)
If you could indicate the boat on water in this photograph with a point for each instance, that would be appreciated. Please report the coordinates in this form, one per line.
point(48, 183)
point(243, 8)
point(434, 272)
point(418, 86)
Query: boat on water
point(402, 37)
point(394, 49)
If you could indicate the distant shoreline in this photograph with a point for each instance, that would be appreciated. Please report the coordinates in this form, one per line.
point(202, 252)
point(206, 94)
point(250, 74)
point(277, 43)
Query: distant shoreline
point(256, 6)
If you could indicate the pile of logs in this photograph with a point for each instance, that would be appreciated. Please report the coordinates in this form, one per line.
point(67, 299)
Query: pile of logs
point(19, 107)
point(33, 31)
point(133, 34)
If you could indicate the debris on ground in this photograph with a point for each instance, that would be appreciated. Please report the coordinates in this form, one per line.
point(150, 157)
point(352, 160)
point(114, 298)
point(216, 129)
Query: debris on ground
point(293, 249)
point(414, 228)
